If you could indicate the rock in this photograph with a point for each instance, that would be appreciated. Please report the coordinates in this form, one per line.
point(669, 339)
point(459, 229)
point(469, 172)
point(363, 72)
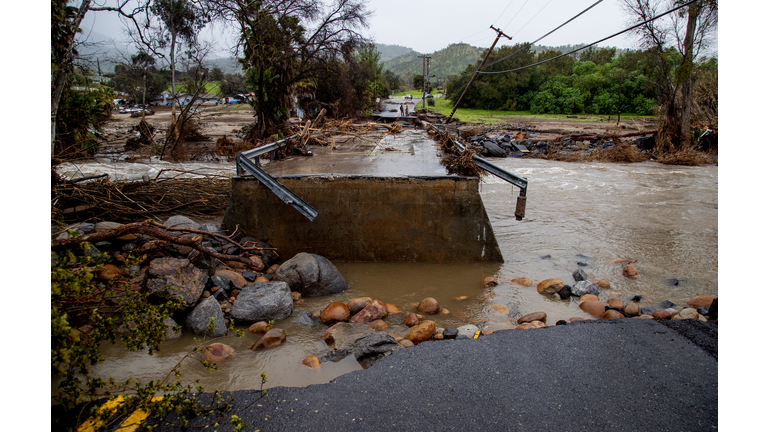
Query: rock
point(222, 282)
point(232, 277)
point(565, 293)
point(176, 277)
point(537, 324)
point(392, 309)
point(647, 310)
point(259, 327)
point(688, 313)
point(493, 149)
point(170, 329)
point(713, 310)
point(411, 320)
point(522, 281)
point(632, 309)
point(594, 308)
point(643, 317)
point(703, 310)
point(624, 261)
point(468, 330)
point(547, 256)
point(258, 264)
point(311, 275)
point(343, 335)
point(374, 347)
point(585, 287)
point(405, 343)
point(111, 271)
point(335, 355)
point(379, 325)
point(444, 311)
point(428, 306)
point(535, 316)
point(218, 352)
point(334, 312)
point(358, 304)
point(210, 227)
point(696, 302)
point(493, 327)
point(197, 320)
point(572, 319)
point(549, 286)
point(616, 303)
point(602, 283)
point(630, 271)
point(582, 264)
point(273, 269)
point(437, 336)
point(460, 298)
point(611, 314)
point(370, 313)
point(666, 304)
point(306, 318)
point(561, 322)
point(589, 297)
point(311, 362)
point(579, 275)
point(295, 296)
point(524, 326)
point(422, 332)
point(490, 281)
point(270, 339)
point(266, 279)
point(181, 222)
point(450, 333)
point(263, 301)
point(497, 308)
point(662, 314)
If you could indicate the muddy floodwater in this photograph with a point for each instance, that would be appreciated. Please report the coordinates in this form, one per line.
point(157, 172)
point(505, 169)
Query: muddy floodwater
point(579, 215)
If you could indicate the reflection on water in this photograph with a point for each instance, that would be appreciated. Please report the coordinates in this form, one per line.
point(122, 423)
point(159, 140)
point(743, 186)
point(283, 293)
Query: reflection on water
point(588, 213)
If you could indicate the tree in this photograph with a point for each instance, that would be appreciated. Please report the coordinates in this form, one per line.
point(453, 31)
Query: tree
point(392, 80)
point(675, 43)
point(232, 84)
point(216, 74)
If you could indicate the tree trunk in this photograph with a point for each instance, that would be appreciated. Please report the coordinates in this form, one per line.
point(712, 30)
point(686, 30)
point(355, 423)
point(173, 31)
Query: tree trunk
point(686, 69)
point(61, 74)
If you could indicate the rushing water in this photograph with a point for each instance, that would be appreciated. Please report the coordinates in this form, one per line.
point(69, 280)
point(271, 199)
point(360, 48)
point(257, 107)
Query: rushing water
point(665, 217)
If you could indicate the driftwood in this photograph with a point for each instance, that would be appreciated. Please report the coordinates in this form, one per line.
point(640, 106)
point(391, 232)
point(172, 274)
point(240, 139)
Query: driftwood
point(154, 229)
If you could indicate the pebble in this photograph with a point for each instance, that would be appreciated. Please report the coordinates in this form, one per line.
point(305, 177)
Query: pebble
point(549, 286)
point(611, 314)
point(535, 316)
point(589, 297)
point(632, 309)
point(594, 308)
point(335, 312)
point(630, 271)
point(661, 314)
point(616, 303)
point(311, 362)
point(602, 283)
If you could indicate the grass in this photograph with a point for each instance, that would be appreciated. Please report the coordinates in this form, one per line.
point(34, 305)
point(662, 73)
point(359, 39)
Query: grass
point(210, 88)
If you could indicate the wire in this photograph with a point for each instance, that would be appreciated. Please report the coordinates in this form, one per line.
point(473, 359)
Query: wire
point(595, 43)
point(502, 12)
point(529, 21)
point(551, 31)
point(518, 11)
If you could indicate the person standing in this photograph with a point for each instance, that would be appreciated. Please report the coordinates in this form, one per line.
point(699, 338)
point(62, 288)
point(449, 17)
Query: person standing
point(406, 110)
point(401, 110)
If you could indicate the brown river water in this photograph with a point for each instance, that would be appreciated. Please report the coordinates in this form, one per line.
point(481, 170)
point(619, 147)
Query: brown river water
point(665, 217)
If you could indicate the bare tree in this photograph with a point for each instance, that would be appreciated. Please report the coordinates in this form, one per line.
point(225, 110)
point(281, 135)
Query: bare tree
point(688, 33)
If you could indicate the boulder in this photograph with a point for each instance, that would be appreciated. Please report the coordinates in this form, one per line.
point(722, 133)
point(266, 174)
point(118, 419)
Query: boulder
point(428, 306)
point(468, 330)
point(170, 329)
point(535, 316)
point(197, 320)
point(181, 222)
point(370, 313)
point(373, 347)
point(411, 320)
point(594, 308)
point(306, 318)
point(392, 309)
point(177, 277)
point(334, 312)
point(356, 305)
point(490, 281)
point(696, 302)
point(602, 283)
point(522, 281)
point(630, 271)
point(666, 304)
point(231, 277)
point(497, 309)
point(218, 352)
point(579, 275)
point(585, 287)
point(616, 303)
point(270, 339)
point(311, 275)
point(311, 362)
point(549, 286)
point(611, 314)
point(422, 332)
point(335, 355)
point(263, 301)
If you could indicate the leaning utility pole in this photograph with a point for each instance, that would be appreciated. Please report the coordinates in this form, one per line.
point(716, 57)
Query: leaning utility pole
point(424, 78)
point(425, 81)
point(499, 34)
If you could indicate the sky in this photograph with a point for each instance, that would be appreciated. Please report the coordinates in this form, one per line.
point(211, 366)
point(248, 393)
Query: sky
point(430, 25)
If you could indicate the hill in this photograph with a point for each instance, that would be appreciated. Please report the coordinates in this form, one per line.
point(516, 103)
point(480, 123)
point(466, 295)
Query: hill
point(389, 52)
point(449, 60)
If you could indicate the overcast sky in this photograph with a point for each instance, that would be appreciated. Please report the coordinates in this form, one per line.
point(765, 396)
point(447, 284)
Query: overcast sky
point(430, 25)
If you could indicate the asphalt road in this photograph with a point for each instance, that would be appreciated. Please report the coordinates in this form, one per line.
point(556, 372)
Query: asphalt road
point(626, 374)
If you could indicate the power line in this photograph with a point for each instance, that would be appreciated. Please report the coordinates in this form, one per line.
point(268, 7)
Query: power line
point(502, 12)
point(550, 32)
point(518, 11)
point(595, 43)
point(529, 21)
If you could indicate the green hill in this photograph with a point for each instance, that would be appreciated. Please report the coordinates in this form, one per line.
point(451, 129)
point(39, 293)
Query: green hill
point(389, 52)
point(450, 60)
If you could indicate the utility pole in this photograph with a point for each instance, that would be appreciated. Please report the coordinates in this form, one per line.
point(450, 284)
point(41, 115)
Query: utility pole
point(424, 80)
point(426, 77)
point(499, 34)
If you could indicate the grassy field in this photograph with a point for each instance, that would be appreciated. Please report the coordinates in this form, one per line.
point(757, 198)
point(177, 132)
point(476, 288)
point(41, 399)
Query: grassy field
point(472, 115)
point(210, 88)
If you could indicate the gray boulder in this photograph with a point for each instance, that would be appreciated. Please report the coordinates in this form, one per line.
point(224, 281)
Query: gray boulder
point(374, 347)
point(579, 275)
point(197, 320)
point(177, 277)
point(263, 301)
point(343, 335)
point(585, 287)
point(181, 222)
point(170, 331)
point(335, 355)
point(311, 275)
point(468, 330)
point(306, 318)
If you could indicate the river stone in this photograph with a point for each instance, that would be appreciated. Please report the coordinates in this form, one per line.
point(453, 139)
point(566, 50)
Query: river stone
point(602, 283)
point(666, 304)
point(696, 302)
point(222, 282)
point(210, 227)
point(170, 329)
point(218, 352)
point(588, 297)
point(197, 320)
point(370, 313)
point(647, 310)
point(713, 310)
point(259, 327)
point(311, 275)
point(249, 276)
point(490, 281)
point(450, 333)
point(177, 277)
point(630, 271)
point(565, 293)
point(343, 335)
point(579, 275)
point(373, 347)
point(616, 303)
point(535, 316)
point(392, 309)
point(411, 320)
point(358, 304)
point(428, 306)
point(306, 318)
point(111, 271)
point(585, 287)
point(335, 355)
point(311, 362)
point(688, 313)
point(82, 228)
point(549, 286)
point(522, 281)
point(422, 332)
point(379, 325)
point(703, 310)
point(468, 330)
point(632, 309)
point(662, 314)
point(270, 339)
point(497, 308)
point(611, 314)
point(181, 222)
point(334, 312)
point(232, 277)
point(263, 301)
point(594, 308)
